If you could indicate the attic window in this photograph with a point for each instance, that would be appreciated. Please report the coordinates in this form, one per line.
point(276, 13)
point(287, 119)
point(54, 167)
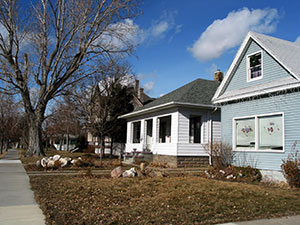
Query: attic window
point(255, 66)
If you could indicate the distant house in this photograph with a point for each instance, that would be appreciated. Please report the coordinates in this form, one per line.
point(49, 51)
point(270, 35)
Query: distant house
point(139, 99)
point(175, 128)
point(259, 99)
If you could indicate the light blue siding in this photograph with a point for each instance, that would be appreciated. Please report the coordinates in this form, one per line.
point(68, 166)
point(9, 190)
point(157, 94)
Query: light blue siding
point(272, 71)
point(288, 104)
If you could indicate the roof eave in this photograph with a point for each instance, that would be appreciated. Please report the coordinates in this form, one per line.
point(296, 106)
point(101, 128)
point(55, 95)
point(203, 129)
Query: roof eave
point(165, 106)
point(256, 93)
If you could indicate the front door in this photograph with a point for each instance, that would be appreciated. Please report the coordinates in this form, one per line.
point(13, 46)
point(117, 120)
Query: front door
point(149, 125)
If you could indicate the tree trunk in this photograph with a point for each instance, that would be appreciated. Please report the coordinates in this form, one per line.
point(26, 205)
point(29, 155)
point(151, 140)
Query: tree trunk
point(35, 146)
point(111, 147)
point(1, 147)
point(7, 145)
point(67, 139)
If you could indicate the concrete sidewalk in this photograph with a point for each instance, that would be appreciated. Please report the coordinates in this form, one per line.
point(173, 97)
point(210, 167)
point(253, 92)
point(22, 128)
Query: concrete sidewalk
point(17, 203)
point(288, 220)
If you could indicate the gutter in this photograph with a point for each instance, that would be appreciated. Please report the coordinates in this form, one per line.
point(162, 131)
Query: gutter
point(165, 106)
point(257, 93)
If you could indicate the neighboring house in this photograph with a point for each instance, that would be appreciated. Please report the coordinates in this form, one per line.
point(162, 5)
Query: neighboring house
point(259, 100)
point(60, 142)
point(177, 127)
point(139, 99)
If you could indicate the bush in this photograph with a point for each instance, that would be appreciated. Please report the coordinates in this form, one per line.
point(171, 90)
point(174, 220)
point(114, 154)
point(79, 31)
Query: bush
point(221, 154)
point(232, 173)
point(291, 168)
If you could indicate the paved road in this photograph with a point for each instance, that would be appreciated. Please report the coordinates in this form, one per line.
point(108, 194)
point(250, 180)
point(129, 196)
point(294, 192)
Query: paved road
point(17, 203)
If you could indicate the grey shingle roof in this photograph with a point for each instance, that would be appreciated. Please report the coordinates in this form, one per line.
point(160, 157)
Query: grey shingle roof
point(199, 91)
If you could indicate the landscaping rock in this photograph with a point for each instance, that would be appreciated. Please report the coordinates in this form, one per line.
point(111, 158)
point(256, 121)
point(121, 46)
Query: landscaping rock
point(130, 173)
point(50, 163)
point(117, 172)
point(154, 173)
point(56, 157)
point(44, 162)
point(38, 164)
point(142, 166)
point(64, 162)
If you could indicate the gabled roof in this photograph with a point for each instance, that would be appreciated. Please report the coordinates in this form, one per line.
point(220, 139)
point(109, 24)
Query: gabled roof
point(197, 93)
point(286, 53)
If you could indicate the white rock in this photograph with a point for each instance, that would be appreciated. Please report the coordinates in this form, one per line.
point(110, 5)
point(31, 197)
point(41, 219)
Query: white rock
point(44, 162)
point(222, 171)
point(56, 157)
point(50, 163)
point(63, 162)
point(130, 173)
point(74, 161)
point(229, 176)
point(38, 164)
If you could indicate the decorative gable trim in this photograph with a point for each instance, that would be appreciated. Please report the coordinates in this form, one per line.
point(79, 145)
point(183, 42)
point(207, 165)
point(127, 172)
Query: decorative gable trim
point(238, 58)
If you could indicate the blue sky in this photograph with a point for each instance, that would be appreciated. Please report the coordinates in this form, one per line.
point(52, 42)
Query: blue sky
point(180, 41)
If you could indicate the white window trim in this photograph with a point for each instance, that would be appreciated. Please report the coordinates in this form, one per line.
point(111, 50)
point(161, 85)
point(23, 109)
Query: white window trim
point(158, 125)
point(132, 133)
point(256, 149)
point(248, 67)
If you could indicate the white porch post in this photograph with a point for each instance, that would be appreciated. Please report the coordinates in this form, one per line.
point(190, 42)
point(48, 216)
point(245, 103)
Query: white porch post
point(143, 135)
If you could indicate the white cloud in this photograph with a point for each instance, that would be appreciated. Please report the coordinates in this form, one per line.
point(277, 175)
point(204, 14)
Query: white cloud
point(297, 41)
point(160, 28)
point(148, 86)
point(120, 35)
point(229, 32)
point(212, 69)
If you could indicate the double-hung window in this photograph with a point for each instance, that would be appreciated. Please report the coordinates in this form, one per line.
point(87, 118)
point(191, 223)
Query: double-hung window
point(254, 66)
point(259, 132)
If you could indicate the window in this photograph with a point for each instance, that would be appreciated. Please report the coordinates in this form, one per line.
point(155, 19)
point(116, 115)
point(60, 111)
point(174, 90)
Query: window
point(165, 129)
point(245, 132)
point(255, 66)
point(260, 132)
point(136, 132)
point(195, 129)
point(149, 124)
point(270, 132)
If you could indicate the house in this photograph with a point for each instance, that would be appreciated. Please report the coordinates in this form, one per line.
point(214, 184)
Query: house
point(176, 128)
point(259, 99)
point(139, 99)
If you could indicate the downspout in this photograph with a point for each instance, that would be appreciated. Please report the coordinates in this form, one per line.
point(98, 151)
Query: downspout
point(210, 136)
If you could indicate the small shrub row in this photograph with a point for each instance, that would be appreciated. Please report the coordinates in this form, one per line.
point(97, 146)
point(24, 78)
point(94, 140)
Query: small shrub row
point(233, 173)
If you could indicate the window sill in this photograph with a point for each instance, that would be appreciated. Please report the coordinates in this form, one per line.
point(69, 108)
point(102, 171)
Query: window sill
point(257, 150)
point(254, 79)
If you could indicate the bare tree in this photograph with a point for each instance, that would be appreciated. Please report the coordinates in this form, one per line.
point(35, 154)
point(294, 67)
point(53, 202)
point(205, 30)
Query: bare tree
point(63, 122)
point(10, 121)
point(54, 47)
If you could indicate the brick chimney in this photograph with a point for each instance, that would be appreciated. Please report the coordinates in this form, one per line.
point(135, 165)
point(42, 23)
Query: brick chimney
point(136, 86)
point(218, 76)
point(140, 92)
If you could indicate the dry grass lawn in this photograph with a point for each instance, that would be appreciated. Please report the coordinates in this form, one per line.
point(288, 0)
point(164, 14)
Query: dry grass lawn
point(167, 200)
